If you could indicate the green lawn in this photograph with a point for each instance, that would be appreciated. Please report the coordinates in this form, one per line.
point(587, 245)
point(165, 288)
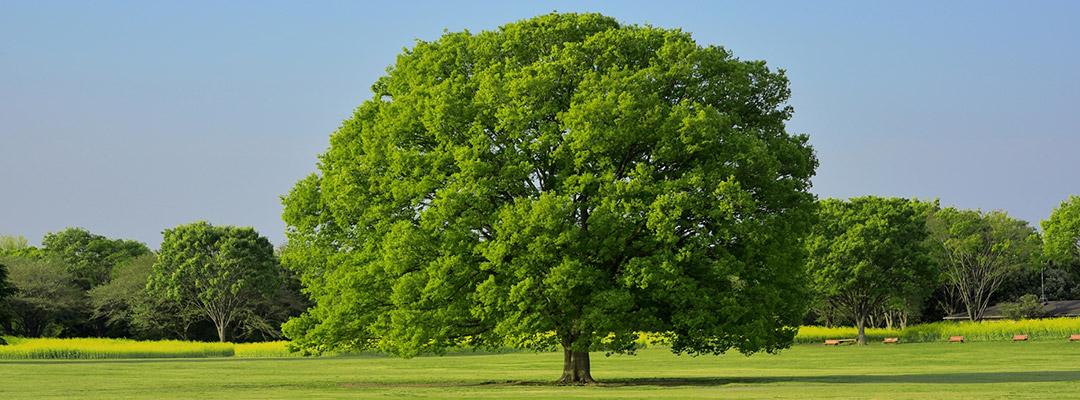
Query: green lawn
point(1038, 369)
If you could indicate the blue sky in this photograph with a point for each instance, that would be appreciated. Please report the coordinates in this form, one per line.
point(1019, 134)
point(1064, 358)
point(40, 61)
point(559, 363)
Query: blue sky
point(127, 118)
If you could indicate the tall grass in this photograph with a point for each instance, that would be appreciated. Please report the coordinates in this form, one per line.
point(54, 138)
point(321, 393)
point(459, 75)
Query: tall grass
point(91, 348)
point(1036, 329)
point(1057, 329)
point(264, 349)
point(983, 331)
point(819, 334)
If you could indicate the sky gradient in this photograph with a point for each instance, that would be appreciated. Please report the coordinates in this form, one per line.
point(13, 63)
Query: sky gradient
point(128, 118)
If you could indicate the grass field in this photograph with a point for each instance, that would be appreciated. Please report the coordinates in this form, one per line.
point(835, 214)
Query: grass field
point(1037, 369)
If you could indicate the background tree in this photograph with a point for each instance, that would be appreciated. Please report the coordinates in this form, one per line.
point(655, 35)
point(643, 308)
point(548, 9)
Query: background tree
point(6, 290)
point(263, 320)
point(89, 257)
point(564, 175)
point(220, 270)
point(1061, 233)
point(46, 300)
point(868, 253)
point(116, 303)
point(979, 251)
point(12, 242)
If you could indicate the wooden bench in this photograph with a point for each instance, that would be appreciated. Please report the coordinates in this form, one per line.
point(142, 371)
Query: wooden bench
point(956, 339)
point(1074, 337)
point(1018, 338)
point(836, 342)
point(891, 340)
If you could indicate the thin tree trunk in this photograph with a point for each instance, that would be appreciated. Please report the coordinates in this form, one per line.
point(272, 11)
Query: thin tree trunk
point(221, 332)
point(576, 369)
point(860, 322)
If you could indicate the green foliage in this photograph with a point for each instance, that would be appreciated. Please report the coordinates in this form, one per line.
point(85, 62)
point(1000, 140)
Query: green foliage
point(125, 304)
point(12, 242)
point(979, 251)
point(46, 299)
point(7, 289)
point(29, 252)
point(89, 257)
point(1028, 306)
point(1061, 233)
point(220, 270)
point(870, 252)
point(561, 174)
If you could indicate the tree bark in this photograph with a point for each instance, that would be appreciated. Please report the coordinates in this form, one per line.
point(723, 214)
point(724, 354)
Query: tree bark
point(576, 369)
point(861, 324)
point(221, 332)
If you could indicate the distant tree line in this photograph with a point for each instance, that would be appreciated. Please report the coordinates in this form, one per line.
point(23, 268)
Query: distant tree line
point(872, 262)
point(206, 283)
point(888, 262)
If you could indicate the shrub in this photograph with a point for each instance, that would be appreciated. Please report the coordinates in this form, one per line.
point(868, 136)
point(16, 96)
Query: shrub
point(1029, 306)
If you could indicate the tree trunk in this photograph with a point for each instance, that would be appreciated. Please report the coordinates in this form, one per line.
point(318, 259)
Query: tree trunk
point(576, 368)
point(221, 332)
point(860, 322)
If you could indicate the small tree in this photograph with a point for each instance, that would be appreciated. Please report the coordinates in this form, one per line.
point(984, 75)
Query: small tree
point(220, 270)
point(979, 250)
point(868, 254)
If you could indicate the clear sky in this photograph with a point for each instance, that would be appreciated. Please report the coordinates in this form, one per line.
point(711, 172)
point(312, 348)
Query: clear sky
point(127, 118)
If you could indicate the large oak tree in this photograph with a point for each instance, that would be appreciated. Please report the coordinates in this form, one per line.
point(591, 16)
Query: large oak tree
point(560, 182)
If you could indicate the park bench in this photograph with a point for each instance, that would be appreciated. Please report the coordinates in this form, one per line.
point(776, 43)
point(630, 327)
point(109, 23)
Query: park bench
point(956, 339)
point(836, 342)
point(1074, 337)
point(1018, 338)
point(891, 340)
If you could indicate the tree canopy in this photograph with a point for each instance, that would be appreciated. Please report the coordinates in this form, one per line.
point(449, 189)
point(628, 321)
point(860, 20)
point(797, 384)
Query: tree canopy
point(563, 181)
point(1061, 233)
point(868, 252)
point(90, 257)
point(220, 270)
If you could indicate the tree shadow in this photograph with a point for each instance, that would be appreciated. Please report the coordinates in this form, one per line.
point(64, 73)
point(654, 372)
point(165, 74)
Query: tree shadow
point(935, 378)
point(945, 378)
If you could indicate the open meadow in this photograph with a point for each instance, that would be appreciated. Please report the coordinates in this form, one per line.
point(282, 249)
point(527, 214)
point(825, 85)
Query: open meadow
point(984, 370)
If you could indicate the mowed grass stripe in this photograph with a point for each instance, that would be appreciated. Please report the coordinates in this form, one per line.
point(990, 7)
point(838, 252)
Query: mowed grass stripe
point(1039, 369)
